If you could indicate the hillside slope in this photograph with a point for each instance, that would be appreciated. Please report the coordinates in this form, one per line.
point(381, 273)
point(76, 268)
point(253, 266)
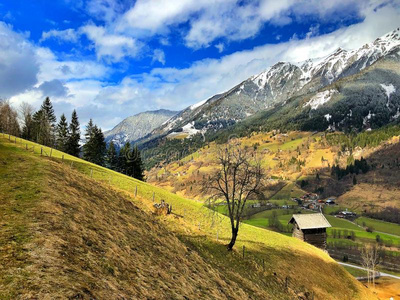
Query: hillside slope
point(64, 235)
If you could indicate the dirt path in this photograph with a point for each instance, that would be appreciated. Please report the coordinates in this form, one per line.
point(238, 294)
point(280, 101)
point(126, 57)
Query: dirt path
point(361, 268)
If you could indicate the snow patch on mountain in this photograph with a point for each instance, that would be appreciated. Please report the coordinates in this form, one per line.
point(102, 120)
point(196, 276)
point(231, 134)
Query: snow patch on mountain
point(190, 129)
point(320, 99)
point(328, 117)
point(198, 104)
point(389, 89)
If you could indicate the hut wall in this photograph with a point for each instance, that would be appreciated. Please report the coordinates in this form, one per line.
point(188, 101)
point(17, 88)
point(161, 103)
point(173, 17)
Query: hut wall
point(316, 237)
point(297, 233)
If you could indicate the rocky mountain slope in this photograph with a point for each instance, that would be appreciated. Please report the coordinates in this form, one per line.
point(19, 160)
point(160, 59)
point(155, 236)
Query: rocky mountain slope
point(137, 126)
point(279, 83)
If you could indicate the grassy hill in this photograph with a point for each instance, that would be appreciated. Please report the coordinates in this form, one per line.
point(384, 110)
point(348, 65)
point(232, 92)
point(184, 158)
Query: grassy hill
point(291, 157)
point(71, 229)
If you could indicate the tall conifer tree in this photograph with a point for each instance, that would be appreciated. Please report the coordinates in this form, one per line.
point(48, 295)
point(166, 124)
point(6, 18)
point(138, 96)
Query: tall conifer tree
point(62, 134)
point(111, 158)
point(74, 135)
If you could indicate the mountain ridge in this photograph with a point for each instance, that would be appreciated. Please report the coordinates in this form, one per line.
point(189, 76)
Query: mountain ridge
point(275, 85)
point(137, 126)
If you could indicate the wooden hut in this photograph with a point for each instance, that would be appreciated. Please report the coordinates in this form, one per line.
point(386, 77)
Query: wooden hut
point(310, 228)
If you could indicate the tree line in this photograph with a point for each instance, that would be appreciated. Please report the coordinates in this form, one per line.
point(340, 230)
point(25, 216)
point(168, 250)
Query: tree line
point(352, 168)
point(41, 127)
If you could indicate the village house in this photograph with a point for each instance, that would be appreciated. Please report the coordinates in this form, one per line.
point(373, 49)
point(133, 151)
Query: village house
point(310, 228)
point(346, 214)
point(331, 201)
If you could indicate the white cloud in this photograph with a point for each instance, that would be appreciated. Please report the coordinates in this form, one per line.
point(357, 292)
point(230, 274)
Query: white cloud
point(230, 19)
point(67, 35)
point(52, 68)
point(18, 63)
point(112, 47)
point(220, 47)
point(106, 10)
point(159, 55)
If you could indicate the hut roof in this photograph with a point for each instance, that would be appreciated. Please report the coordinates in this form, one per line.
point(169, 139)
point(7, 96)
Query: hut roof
point(310, 221)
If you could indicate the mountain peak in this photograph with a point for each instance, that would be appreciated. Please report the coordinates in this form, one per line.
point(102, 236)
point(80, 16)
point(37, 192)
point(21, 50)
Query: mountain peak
point(277, 84)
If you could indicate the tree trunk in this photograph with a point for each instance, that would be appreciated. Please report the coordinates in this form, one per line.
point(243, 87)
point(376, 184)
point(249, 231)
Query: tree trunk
point(233, 239)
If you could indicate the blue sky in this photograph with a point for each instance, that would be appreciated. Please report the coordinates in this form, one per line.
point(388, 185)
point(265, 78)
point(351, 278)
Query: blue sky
point(111, 59)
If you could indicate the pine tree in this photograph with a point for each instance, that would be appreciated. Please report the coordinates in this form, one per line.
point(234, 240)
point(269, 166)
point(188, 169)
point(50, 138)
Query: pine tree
point(123, 157)
point(27, 129)
point(74, 135)
point(111, 158)
point(47, 107)
point(62, 134)
point(138, 171)
point(99, 146)
point(42, 128)
point(95, 146)
point(44, 124)
point(88, 148)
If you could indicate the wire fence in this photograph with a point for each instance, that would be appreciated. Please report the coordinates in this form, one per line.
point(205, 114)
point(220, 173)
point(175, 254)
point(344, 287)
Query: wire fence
point(207, 219)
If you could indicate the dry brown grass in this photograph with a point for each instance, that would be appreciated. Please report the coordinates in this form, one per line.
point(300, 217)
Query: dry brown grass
point(387, 287)
point(82, 241)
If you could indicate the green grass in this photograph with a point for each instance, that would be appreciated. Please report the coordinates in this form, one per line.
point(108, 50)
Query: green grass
point(378, 225)
point(356, 272)
point(342, 223)
point(20, 188)
point(286, 193)
point(261, 220)
point(329, 209)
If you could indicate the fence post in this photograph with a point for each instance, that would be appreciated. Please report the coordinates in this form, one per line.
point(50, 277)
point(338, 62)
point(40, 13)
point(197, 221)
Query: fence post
point(51, 150)
point(91, 173)
point(154, 194)
point(135, 191)
point(41, 151)
point(26, 146)
point(62, 158)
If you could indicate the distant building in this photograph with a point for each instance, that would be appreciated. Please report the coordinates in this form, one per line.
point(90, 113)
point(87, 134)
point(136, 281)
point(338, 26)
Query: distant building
point(347, 214)
point(331, 201)
point(310, 228)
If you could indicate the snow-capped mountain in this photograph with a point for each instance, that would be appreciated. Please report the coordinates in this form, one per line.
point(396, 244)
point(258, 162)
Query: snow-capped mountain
point(137, 126)
point(276, 85)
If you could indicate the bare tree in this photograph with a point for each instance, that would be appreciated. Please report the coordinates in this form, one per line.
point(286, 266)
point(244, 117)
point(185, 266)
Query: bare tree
point(370, 260)
point(236, 180)
point(8, 119)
